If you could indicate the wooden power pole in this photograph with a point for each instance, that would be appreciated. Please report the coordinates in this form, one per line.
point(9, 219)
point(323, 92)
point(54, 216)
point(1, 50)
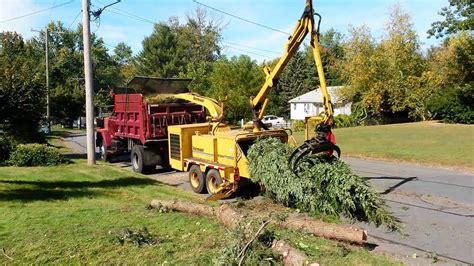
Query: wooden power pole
point(89, 85)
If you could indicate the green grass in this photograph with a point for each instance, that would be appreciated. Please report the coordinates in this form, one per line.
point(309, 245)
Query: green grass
point(432, 143)
point(72, 214)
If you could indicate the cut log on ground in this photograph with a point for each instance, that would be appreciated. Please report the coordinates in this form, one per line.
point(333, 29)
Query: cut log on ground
point(306, 224)
point(231, 217)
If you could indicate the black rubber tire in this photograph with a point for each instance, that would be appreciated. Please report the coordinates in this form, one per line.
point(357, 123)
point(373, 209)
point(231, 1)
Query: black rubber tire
point(136, 157)
point(102, 153)
point(213, 176)
point(196, 179)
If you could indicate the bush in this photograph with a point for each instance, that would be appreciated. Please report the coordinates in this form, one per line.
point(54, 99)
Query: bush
point(297, 125)
point(343, 121)
point(35, 155)
point(454, 105)
point(6, 147)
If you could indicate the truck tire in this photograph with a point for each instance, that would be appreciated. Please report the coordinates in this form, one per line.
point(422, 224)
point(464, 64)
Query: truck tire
point(196, 179)
point(213, 180)
point(103, 152)
point(137, 159)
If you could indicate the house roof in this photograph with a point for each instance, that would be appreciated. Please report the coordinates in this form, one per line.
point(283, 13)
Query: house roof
point(315, 96)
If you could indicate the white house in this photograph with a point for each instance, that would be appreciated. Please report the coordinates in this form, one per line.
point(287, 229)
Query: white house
point(311, 103)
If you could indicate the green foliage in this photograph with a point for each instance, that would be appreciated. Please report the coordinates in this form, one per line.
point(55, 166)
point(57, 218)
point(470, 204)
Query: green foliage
point(457, 17)
point(235, 80)
point(298, 125)
point(66, 70)
point(35, 155)
point(138, 238)
point(387, 76)
point(22, 90)
point(324, 185)
point(257, 251)
point(452, 68)
point(298, 77)
point(6, 146)
point(454, 105)
point(182, 50)
point(344, 121)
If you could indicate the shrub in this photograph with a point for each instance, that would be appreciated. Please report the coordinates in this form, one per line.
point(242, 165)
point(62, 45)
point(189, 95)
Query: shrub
point(454, 105)
point(343, 121)
point(297, 125)
point(323, 186)
point(6, 146)
point(35, 155)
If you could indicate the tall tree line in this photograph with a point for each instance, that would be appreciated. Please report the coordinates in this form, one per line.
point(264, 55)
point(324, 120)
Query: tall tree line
point(388, 76)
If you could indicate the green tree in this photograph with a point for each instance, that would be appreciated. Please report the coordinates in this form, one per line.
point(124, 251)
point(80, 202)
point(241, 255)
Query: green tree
point(160, 56)
point(299, 77)
point(332, 52)
point(389, 77)
point(182, 50)
point(452, 70)
point(22, 88)
point(67, 70)
point(458, 16)
point(235, 80)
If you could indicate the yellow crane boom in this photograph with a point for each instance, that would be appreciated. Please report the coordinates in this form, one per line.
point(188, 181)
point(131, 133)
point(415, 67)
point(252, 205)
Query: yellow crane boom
point(214, 107)
point(304, 26)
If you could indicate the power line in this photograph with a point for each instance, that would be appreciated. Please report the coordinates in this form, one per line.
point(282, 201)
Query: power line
point(241, 18)
point(250, 47)
point(248, 52)
point(128, 14)
point(36, 12)
point(133, 16)
point(80, 12)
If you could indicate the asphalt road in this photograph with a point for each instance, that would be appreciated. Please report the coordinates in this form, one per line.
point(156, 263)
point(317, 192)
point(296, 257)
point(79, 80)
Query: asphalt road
point(435, 205)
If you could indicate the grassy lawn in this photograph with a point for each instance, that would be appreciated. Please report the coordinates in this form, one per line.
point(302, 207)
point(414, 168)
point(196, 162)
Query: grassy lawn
point(425, 142)
point(72, 214)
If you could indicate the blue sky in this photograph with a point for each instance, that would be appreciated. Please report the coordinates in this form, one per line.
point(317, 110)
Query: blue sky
point(279, 14)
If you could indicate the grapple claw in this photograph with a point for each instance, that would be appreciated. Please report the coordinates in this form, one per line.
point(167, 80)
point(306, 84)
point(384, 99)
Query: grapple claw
point(312, 146)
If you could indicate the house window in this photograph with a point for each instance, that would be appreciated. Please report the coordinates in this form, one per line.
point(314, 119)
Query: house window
point(306, 108)
point(294, 106)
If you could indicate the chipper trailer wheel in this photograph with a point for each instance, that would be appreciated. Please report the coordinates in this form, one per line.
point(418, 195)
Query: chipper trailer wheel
point(213, 180)
point(196, 179)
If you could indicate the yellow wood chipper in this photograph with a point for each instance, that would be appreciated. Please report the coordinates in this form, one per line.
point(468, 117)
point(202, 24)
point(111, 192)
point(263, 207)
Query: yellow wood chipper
point(216, 156)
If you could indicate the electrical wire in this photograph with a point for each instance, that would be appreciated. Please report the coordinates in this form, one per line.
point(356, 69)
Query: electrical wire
point(131, 15)
point(248, 52)
point(241, 18)
point(230, 45)
point(250, 47)
point(70, 25)
point(36, 12)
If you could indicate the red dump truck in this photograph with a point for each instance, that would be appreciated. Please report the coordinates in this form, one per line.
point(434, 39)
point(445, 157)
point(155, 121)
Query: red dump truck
point(139, 126)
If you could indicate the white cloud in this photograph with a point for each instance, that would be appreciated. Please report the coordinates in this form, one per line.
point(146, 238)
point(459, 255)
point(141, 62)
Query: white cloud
point(14, 8)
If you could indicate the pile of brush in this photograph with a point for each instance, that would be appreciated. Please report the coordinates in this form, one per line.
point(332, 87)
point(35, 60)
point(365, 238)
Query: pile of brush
point(324, 185)
point(162, 98)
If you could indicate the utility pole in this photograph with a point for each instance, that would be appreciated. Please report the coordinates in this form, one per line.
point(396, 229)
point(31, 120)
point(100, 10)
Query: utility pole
point(88, 81)
point(47, 80)
point(46, 55)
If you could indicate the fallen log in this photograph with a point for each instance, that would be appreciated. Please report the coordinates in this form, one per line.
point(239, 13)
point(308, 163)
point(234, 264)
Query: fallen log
point(184, 206)
point(346, 233)
point(231, 217)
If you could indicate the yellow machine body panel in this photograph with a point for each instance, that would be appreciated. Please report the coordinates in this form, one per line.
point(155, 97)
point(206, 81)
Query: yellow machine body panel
point(205, 147)
point(180, 142)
